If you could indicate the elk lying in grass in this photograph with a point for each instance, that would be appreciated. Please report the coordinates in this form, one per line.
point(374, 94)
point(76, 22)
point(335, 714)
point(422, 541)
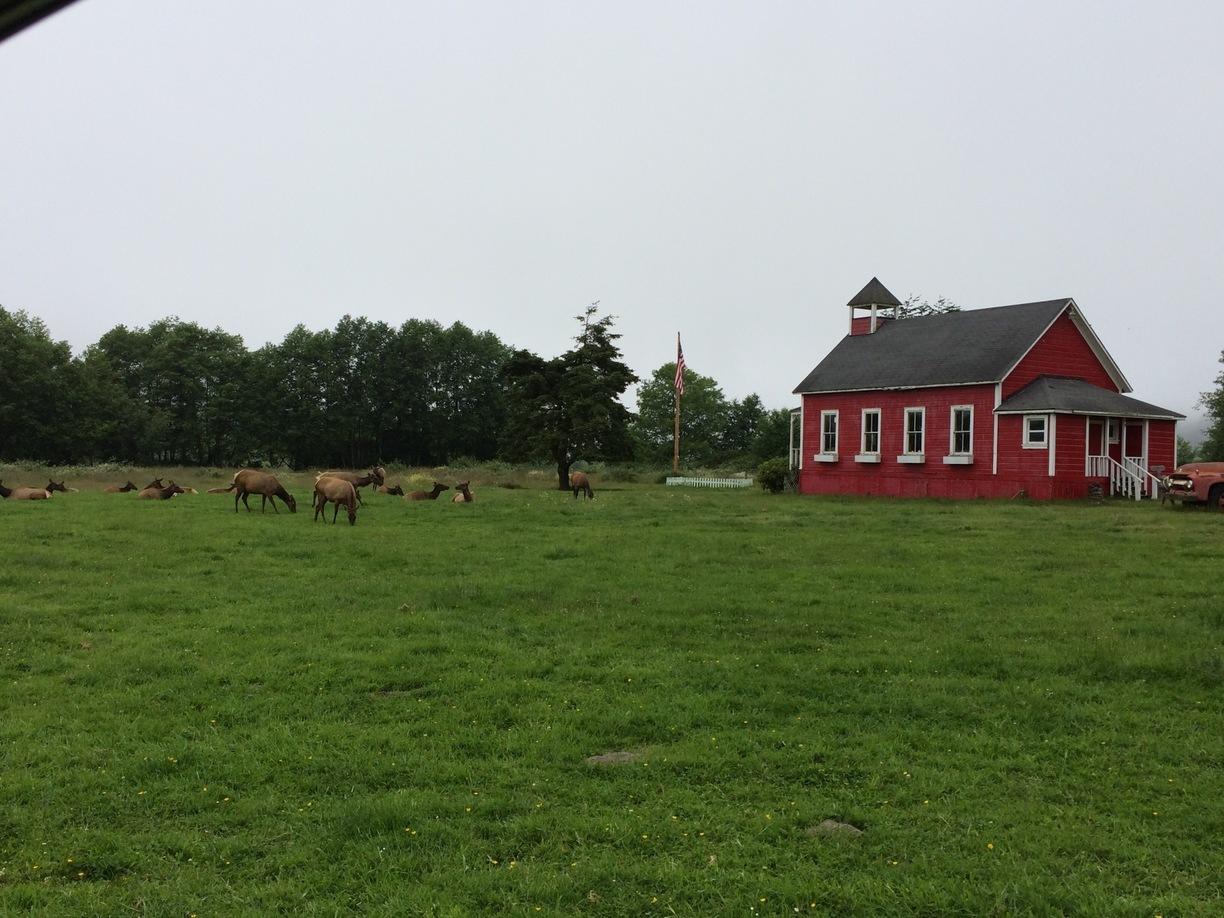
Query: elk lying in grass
point(53, 485)
point(253, 481)
point(438, 488)
point(579, 481)
point(375, 476)
point(119, 489)
point(152, 493)
point(465, 495)
point(337, 491)
point(397, 490)
point(24, 493)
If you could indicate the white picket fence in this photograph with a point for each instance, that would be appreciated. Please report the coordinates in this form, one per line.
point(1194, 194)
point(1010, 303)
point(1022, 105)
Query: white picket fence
point(678, 480)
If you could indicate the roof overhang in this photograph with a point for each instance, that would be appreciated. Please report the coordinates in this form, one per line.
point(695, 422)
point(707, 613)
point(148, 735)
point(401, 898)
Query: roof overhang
point(24, 13)
point(1095, 414)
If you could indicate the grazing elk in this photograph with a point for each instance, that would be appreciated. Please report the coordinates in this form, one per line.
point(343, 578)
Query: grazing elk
point(375, 476)
point(119, 489)
point(165, 493)
point(337, 491)
point(24, 493)
point(253, 481)
point(396, 491)
point(579, 481)
point(464, 496)
point(438, 488)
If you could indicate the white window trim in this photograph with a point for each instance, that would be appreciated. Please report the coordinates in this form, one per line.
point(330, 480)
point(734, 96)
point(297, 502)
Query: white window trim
point(906, 457)
point(836, 432)
point(952, 431)
point(905, 432)
point(1045, 434)
point(863, 451)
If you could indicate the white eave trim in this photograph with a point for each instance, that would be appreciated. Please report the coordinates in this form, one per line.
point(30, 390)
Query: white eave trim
point(942, 385)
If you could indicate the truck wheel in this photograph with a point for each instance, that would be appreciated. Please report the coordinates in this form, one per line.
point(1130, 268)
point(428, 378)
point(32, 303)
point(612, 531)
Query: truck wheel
point(1214, 496)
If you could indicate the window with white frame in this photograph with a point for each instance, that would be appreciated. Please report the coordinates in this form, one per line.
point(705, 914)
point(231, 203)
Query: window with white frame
point(871, 431)
point(1112, 426)
point(915, 429)
point(828, 433)
point(1035, 431)
point(962, 430)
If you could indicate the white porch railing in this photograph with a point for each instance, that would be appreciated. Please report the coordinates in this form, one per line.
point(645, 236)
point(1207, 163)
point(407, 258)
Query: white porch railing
point(794, 457)
point(1127, 478)
point(1149, 484)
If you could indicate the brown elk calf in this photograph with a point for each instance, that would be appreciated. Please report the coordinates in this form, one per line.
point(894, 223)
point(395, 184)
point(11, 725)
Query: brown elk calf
point(465, 495)
point(151, 493)
point(24, 493)
point(253, 481)
point(579, 481)
point(336, 491)
point(396, 491)
point(119, 489)
point(438, 488)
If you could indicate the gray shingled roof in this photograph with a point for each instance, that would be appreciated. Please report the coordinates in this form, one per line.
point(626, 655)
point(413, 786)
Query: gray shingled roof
point(977, 345)
point(1075, 396)
point(874, 294)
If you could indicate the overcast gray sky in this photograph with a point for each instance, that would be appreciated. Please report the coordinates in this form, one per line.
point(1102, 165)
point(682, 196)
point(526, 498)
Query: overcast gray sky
point(734, 171)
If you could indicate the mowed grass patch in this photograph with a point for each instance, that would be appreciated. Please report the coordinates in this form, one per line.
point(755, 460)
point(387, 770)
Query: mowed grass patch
point(229, 713)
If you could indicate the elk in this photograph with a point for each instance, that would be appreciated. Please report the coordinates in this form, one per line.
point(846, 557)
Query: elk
point(375, 476)
point(151, 493)
point(464, 496)
point(337, 491)
point(438, 488)
point(24, 493)
point(155, 483)
point(119, 489)
point(579, 481)
point(397, 490)
point(53, 485)
point(253, 481)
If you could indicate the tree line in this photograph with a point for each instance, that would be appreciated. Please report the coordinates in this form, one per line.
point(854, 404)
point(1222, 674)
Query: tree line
point(363, 392)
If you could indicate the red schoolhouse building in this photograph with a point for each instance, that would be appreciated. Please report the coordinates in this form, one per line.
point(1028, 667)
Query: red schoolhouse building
point(979, 403)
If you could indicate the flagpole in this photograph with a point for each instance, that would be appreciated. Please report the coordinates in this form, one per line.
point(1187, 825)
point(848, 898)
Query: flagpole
point(676, 441)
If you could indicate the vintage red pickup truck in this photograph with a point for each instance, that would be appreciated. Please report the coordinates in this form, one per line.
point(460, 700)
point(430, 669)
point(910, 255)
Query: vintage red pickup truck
point(1197, 483)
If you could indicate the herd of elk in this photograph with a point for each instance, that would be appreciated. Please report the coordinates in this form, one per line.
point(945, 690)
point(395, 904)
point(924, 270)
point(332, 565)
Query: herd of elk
point(253, 481)
point(335, 487)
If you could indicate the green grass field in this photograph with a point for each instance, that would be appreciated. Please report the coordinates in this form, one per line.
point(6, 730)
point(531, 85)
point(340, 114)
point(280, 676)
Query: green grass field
point(1020, 704)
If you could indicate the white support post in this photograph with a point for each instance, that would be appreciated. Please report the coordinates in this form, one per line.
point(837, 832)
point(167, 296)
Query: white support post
point(1051, 419)
point(1087, 434)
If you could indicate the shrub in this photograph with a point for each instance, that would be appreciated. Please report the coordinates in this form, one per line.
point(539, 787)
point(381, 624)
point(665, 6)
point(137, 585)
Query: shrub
point(772, 474)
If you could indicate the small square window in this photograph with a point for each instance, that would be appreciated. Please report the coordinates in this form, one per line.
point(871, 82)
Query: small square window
point(1035, 431)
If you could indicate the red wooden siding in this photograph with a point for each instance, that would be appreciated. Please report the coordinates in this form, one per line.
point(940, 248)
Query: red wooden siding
point(932, 478)
point(1162, 444)
point(1062, 351)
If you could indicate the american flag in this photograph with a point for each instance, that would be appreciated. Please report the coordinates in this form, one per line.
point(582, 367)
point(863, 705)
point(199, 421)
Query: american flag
point(679, 366)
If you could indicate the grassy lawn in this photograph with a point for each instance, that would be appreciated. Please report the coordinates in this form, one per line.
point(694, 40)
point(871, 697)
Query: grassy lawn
point(1019, 704)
